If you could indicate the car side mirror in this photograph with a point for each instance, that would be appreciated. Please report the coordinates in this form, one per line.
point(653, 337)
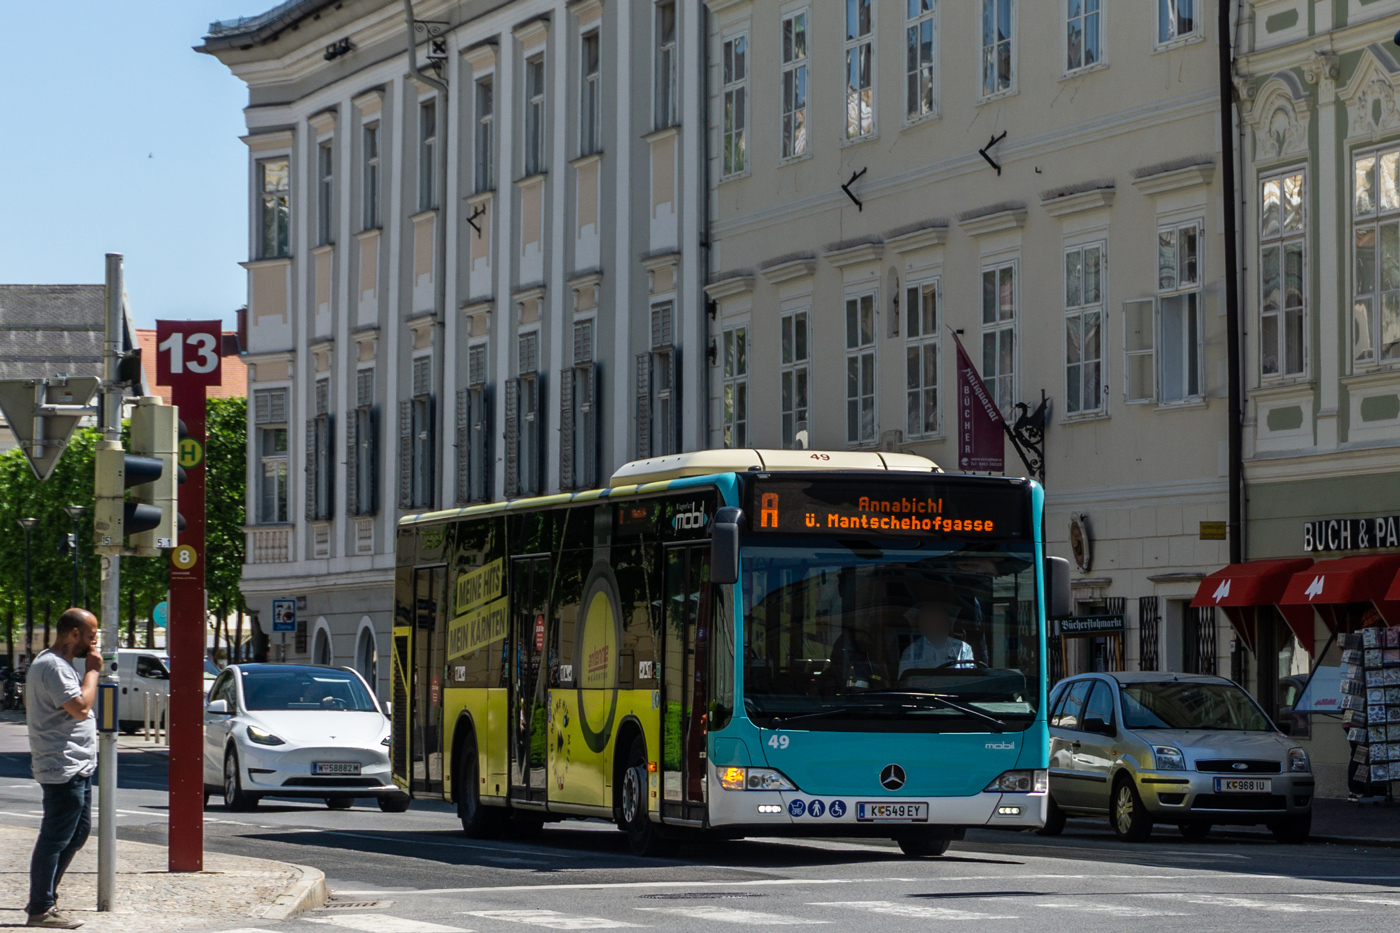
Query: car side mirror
point(1058, 604)
point(724, 545)
point(1285, 726)
point(1096, 726)
point(218, 707)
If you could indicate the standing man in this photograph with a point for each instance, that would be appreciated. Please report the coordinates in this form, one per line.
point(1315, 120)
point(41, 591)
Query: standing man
point(63, 756)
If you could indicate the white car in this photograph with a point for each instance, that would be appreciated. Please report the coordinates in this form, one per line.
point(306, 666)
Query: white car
point(291, 730)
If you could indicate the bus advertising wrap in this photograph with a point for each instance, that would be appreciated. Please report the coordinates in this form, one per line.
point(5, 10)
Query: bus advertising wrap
point(483, 613)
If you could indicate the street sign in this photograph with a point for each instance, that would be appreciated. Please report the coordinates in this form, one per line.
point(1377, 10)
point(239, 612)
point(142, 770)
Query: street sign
point(43, 433)
point(190, 454)
point(160, 614)
point(184, 557)
point(284, 615)
point(189, 353)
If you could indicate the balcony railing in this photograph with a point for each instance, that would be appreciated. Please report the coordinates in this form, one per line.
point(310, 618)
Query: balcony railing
point(269, 544)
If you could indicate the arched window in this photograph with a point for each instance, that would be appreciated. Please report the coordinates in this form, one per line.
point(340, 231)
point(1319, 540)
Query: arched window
point(367, 657)
point(322, 652)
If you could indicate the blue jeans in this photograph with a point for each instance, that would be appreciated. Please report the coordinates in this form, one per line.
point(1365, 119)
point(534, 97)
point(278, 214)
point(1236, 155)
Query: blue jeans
point(67, 820)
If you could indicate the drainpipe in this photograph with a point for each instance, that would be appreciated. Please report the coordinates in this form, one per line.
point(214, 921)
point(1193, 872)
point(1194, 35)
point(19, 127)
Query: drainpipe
point(440, 227)
point(1232, 287)
point(706, 242)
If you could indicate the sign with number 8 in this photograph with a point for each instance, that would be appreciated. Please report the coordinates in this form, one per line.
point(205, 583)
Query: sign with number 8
point(189, 353)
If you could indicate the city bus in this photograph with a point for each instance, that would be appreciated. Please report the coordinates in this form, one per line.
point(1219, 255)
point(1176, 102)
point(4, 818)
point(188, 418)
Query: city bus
point(732, 643)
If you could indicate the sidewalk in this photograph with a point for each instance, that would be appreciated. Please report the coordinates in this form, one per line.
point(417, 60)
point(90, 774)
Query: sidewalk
point(232, 890)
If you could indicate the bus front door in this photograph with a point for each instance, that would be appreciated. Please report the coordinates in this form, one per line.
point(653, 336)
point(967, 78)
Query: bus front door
point(529, 597)
point(684, 672)
point(429, 666)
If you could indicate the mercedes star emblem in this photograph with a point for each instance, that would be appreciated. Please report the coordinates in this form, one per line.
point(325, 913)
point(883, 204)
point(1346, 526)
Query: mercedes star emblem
point(892, 777)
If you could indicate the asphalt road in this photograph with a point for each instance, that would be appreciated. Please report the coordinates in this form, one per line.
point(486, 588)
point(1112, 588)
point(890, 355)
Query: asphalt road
point(415, 873)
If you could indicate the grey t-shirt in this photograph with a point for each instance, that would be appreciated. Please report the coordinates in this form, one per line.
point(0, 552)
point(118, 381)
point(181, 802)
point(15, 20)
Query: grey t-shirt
point(60, 747)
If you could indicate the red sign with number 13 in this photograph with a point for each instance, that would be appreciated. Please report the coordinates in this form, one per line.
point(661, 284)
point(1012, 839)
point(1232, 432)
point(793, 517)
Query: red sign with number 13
point(189, 353)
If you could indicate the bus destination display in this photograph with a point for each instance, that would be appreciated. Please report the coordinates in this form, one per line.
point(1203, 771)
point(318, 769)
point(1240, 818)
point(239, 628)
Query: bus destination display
point(913, 509)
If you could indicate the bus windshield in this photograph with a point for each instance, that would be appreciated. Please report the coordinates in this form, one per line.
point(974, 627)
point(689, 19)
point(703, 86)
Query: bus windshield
point(890, 635)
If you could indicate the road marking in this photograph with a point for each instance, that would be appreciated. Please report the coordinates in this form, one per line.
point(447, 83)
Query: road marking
point(1355, 898)
point(734, 915)
point(551, 918)
point(613, 885)
point(383, 923)
point(28, 816)
point(916, 911)
point(535, 853)
point(1119, 910)
point(1247, 903)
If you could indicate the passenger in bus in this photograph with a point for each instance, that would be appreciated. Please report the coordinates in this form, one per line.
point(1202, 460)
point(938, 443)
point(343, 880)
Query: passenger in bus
point(935, 647)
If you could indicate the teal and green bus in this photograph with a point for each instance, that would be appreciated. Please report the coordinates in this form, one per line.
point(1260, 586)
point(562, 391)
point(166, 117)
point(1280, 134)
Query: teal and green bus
point(735, 642)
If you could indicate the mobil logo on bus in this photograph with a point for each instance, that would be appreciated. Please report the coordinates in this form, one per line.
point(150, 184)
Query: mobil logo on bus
point(690, 516)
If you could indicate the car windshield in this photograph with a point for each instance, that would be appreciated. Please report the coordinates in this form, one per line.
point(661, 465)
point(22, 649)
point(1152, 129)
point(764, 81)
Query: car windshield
point(211, 668)
point(1174, 704)
point(891, 635)
point(303, 689)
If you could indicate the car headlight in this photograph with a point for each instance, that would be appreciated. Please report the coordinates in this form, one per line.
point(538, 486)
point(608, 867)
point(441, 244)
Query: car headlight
point(387, 740)
point(1020, 782)
point(753, 779)
point(263, 737)
point(1298, 760)
point(1169, 758)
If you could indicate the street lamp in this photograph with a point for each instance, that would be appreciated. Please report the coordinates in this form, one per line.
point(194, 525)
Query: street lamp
point(75, 512)
point(28, 525)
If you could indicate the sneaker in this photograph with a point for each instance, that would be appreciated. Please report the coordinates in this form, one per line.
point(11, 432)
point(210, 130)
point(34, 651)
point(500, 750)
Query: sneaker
point(53, 919)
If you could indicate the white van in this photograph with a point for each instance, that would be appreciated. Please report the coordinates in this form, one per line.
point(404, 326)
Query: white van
point(140, 671)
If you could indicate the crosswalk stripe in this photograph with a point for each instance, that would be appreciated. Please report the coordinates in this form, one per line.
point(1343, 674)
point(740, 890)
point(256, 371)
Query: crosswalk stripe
point(733, 915)
point(1246, 903)
point(1120, 910)
point(1355, 899)
point(552, 919)
point(918, 911)
point(383, 923)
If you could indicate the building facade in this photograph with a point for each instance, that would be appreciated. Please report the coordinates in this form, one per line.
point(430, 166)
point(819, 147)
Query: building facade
point(473, 280)
point(1039, 180)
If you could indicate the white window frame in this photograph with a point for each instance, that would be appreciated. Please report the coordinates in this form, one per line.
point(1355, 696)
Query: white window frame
point(1080, 307)
point(1169, 289)
point(666, 74)
point(862, 366)
point(665, 393)
point(484, 142)
point(535, 129)
point(325, 192)
point(1003, 386)
point(922, 349)
point(920, 15)
point(990, 44)
point(279, 461)
point(529, 414)
point(372, 179)
point(734, 376)
point(795, 378)
point(1169, 15)
point(1374, 219)
point(857, 43)
point(590, 107)
point(427, 153)
point(734, 105)
point(1283, 240)
point(278, 201)
point(795, 136)
point(1078, 11)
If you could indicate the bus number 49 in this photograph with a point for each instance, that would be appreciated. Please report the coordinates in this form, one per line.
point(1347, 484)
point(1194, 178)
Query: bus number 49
point(779, 741)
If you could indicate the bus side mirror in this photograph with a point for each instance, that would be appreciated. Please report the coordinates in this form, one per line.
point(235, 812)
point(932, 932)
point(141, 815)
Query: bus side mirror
point(1057, 600)
point(724, 545)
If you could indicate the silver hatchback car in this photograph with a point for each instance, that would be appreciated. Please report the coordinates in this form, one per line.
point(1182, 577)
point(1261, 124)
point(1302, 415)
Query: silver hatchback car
point(1189, 749)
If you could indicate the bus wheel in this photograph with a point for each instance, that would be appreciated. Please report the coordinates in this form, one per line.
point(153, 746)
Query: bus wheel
point(926, 844)
point(478, 821)
point(643, 835)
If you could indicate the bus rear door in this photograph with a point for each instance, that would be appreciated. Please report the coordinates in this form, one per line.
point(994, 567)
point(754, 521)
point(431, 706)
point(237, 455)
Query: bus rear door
point(685, 676)
point(529, 582)
point(429, 663)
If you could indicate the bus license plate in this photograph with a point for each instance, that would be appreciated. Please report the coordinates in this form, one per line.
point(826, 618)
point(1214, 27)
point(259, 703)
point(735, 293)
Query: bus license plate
point(1244, 785)
point(892, 812)
point(335, 767)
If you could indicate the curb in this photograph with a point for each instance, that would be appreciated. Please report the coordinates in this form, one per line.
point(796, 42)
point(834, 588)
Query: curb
point(306, 894)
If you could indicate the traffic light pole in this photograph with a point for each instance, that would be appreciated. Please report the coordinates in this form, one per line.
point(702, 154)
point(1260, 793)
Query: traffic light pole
point(111, 597)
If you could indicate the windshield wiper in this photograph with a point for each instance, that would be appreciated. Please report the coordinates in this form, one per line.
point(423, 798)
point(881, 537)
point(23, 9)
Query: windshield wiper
point(849, 708)
point(943, 700)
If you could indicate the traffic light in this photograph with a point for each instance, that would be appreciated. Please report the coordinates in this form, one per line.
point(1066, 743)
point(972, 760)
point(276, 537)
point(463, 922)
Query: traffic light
point(149, 470)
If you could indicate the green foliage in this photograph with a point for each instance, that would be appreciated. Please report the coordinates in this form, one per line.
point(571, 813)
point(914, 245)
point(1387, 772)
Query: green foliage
point(225, 481)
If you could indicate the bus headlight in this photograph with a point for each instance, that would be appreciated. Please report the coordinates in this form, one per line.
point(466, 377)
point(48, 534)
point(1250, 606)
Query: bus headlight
point(1020, 782)
point(753, 779)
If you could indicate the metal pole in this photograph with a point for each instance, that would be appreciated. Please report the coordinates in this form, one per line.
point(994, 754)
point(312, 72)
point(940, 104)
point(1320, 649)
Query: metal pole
point(28, 600)
point(76, 560)
point(111, 597)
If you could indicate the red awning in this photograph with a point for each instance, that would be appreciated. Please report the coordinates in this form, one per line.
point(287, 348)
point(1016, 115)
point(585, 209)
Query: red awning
point(1331, 586)
point(1240, 589)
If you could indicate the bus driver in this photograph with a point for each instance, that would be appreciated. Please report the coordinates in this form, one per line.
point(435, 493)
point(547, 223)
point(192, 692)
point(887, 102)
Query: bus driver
point(935, 647)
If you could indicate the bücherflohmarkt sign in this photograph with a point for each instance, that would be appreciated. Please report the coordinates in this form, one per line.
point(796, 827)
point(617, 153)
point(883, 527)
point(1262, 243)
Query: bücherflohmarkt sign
point(1351, 534)
point(1091, 625)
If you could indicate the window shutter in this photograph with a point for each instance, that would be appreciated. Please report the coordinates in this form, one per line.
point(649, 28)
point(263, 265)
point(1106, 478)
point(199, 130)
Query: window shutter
point(589, 458)
point(674, 358)
point(262, 407)
point(372, 443)
point(541, 415)
point(512, 436)
point(405, 455)
point(352, 464)
point(312, 452)
point(487, 458)
point(643, 405)
point(1139, 358)
point(325, 482)
point(464, 451)
point(566, 428)
point(430, 452)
